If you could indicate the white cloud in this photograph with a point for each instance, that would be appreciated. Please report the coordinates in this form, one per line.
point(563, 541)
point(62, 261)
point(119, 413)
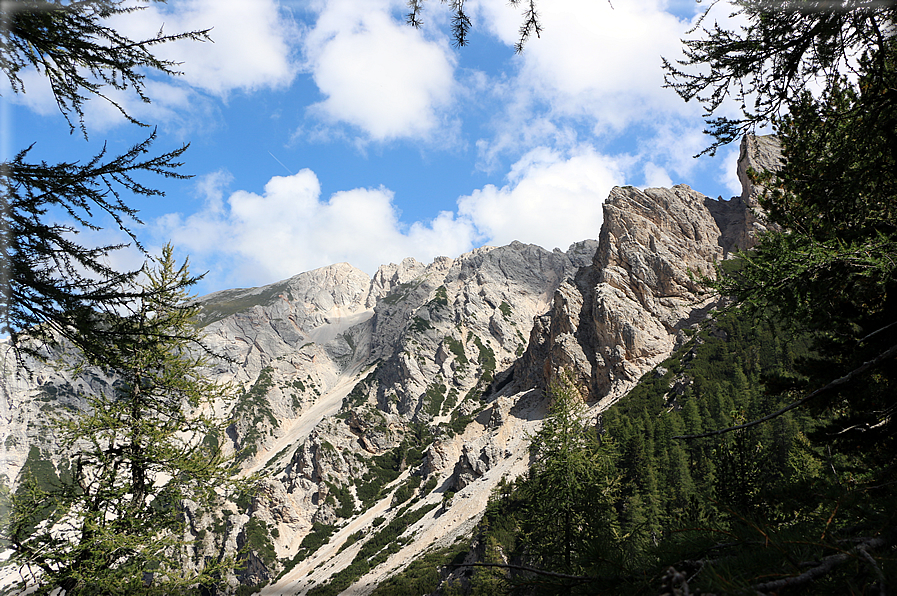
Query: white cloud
point(289, 228)
point(595, 70)
point(551, 200)
point(250, 48)
point(728, 171)
point(656, 176)
point(378, 75)
point(250, 51)
point(35, 93)
point(595, 60)
point(248, 238)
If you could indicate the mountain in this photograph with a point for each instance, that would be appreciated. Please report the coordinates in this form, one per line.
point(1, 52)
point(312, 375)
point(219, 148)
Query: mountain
point(380, 412)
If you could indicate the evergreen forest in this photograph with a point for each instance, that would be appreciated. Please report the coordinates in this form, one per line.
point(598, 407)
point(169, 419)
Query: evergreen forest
point(632, 505)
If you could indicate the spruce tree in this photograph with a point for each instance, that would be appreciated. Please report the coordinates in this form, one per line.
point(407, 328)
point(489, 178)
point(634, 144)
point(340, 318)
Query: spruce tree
point(571, 486)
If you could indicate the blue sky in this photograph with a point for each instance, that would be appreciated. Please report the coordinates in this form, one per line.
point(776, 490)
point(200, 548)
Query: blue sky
point(328, 130)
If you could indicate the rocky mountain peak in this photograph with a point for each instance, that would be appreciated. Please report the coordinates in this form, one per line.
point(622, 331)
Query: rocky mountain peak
point(369, 400)
point(620, 316)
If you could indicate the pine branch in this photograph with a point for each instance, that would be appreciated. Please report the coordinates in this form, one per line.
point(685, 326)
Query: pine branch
point(531, 24)
point(825, 565)
point(413, 18)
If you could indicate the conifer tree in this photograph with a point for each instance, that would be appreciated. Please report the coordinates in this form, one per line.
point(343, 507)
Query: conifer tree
point(832, 269)
point(52, 286)
point(116, 521)
point(829, 271)
point(571, 487)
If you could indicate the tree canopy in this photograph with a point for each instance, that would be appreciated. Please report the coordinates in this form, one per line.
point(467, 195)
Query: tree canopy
point(786, 48)
point(824, 76)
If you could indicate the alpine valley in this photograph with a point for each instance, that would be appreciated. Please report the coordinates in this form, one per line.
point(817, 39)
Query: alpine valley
point(381, 413)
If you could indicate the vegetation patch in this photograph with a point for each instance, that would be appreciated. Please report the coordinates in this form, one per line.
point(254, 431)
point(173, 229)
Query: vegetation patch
point(352, 539)
point(458, 422)
point(230, 303)
point(376, 550)
point(505, 309)
point(419, 325)
point(360, 391)
point(341, 495)
point(254, 406)
point(401, 292)
point(433, 399)
point(441, 298)
point(384, 468)
point(319, 536)
point(406, 490)
point(429, 486)
point(451, 400)
point(41, 475)
point(258, 539)
point(456, 348)
point(422, 575)
point(486, 359)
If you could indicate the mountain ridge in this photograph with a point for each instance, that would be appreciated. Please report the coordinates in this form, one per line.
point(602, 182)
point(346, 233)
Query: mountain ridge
point(358, 388)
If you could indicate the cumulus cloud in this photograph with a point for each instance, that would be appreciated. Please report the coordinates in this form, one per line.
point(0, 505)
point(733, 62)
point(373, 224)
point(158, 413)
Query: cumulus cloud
point(250, 51)
point(250, 48)
point(244, 237)
point(290, 228)
point(595, 60)
point(655, 176)
point(377, 74)
point(550, 200)
point(593, 75)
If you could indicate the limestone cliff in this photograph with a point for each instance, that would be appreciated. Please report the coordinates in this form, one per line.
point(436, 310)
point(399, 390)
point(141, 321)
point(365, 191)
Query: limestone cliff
point(621, 315)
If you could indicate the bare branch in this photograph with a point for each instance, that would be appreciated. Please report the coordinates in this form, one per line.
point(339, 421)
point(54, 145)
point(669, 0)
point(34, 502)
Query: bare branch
point(824, 566)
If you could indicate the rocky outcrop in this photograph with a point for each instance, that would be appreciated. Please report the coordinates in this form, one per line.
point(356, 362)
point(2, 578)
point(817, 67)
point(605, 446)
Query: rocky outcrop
point(763, 153)
point(655, 246)
point(624, 313)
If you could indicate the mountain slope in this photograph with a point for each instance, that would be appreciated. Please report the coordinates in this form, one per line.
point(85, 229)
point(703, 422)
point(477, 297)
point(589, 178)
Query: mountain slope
point(369, 401)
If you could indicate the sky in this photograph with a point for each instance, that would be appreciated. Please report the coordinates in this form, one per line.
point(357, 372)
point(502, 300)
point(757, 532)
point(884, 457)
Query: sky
point(326, 131)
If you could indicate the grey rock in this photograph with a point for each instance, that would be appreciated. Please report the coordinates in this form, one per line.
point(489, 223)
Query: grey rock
point(422, 344)
point(622, 314)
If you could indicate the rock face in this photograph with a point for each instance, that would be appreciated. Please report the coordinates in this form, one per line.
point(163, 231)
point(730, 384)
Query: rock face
point(425, 379)
point(619, 317)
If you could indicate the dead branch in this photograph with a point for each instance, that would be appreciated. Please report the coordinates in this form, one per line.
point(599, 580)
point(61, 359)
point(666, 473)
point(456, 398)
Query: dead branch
point(824, 566)
point(581, 578)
